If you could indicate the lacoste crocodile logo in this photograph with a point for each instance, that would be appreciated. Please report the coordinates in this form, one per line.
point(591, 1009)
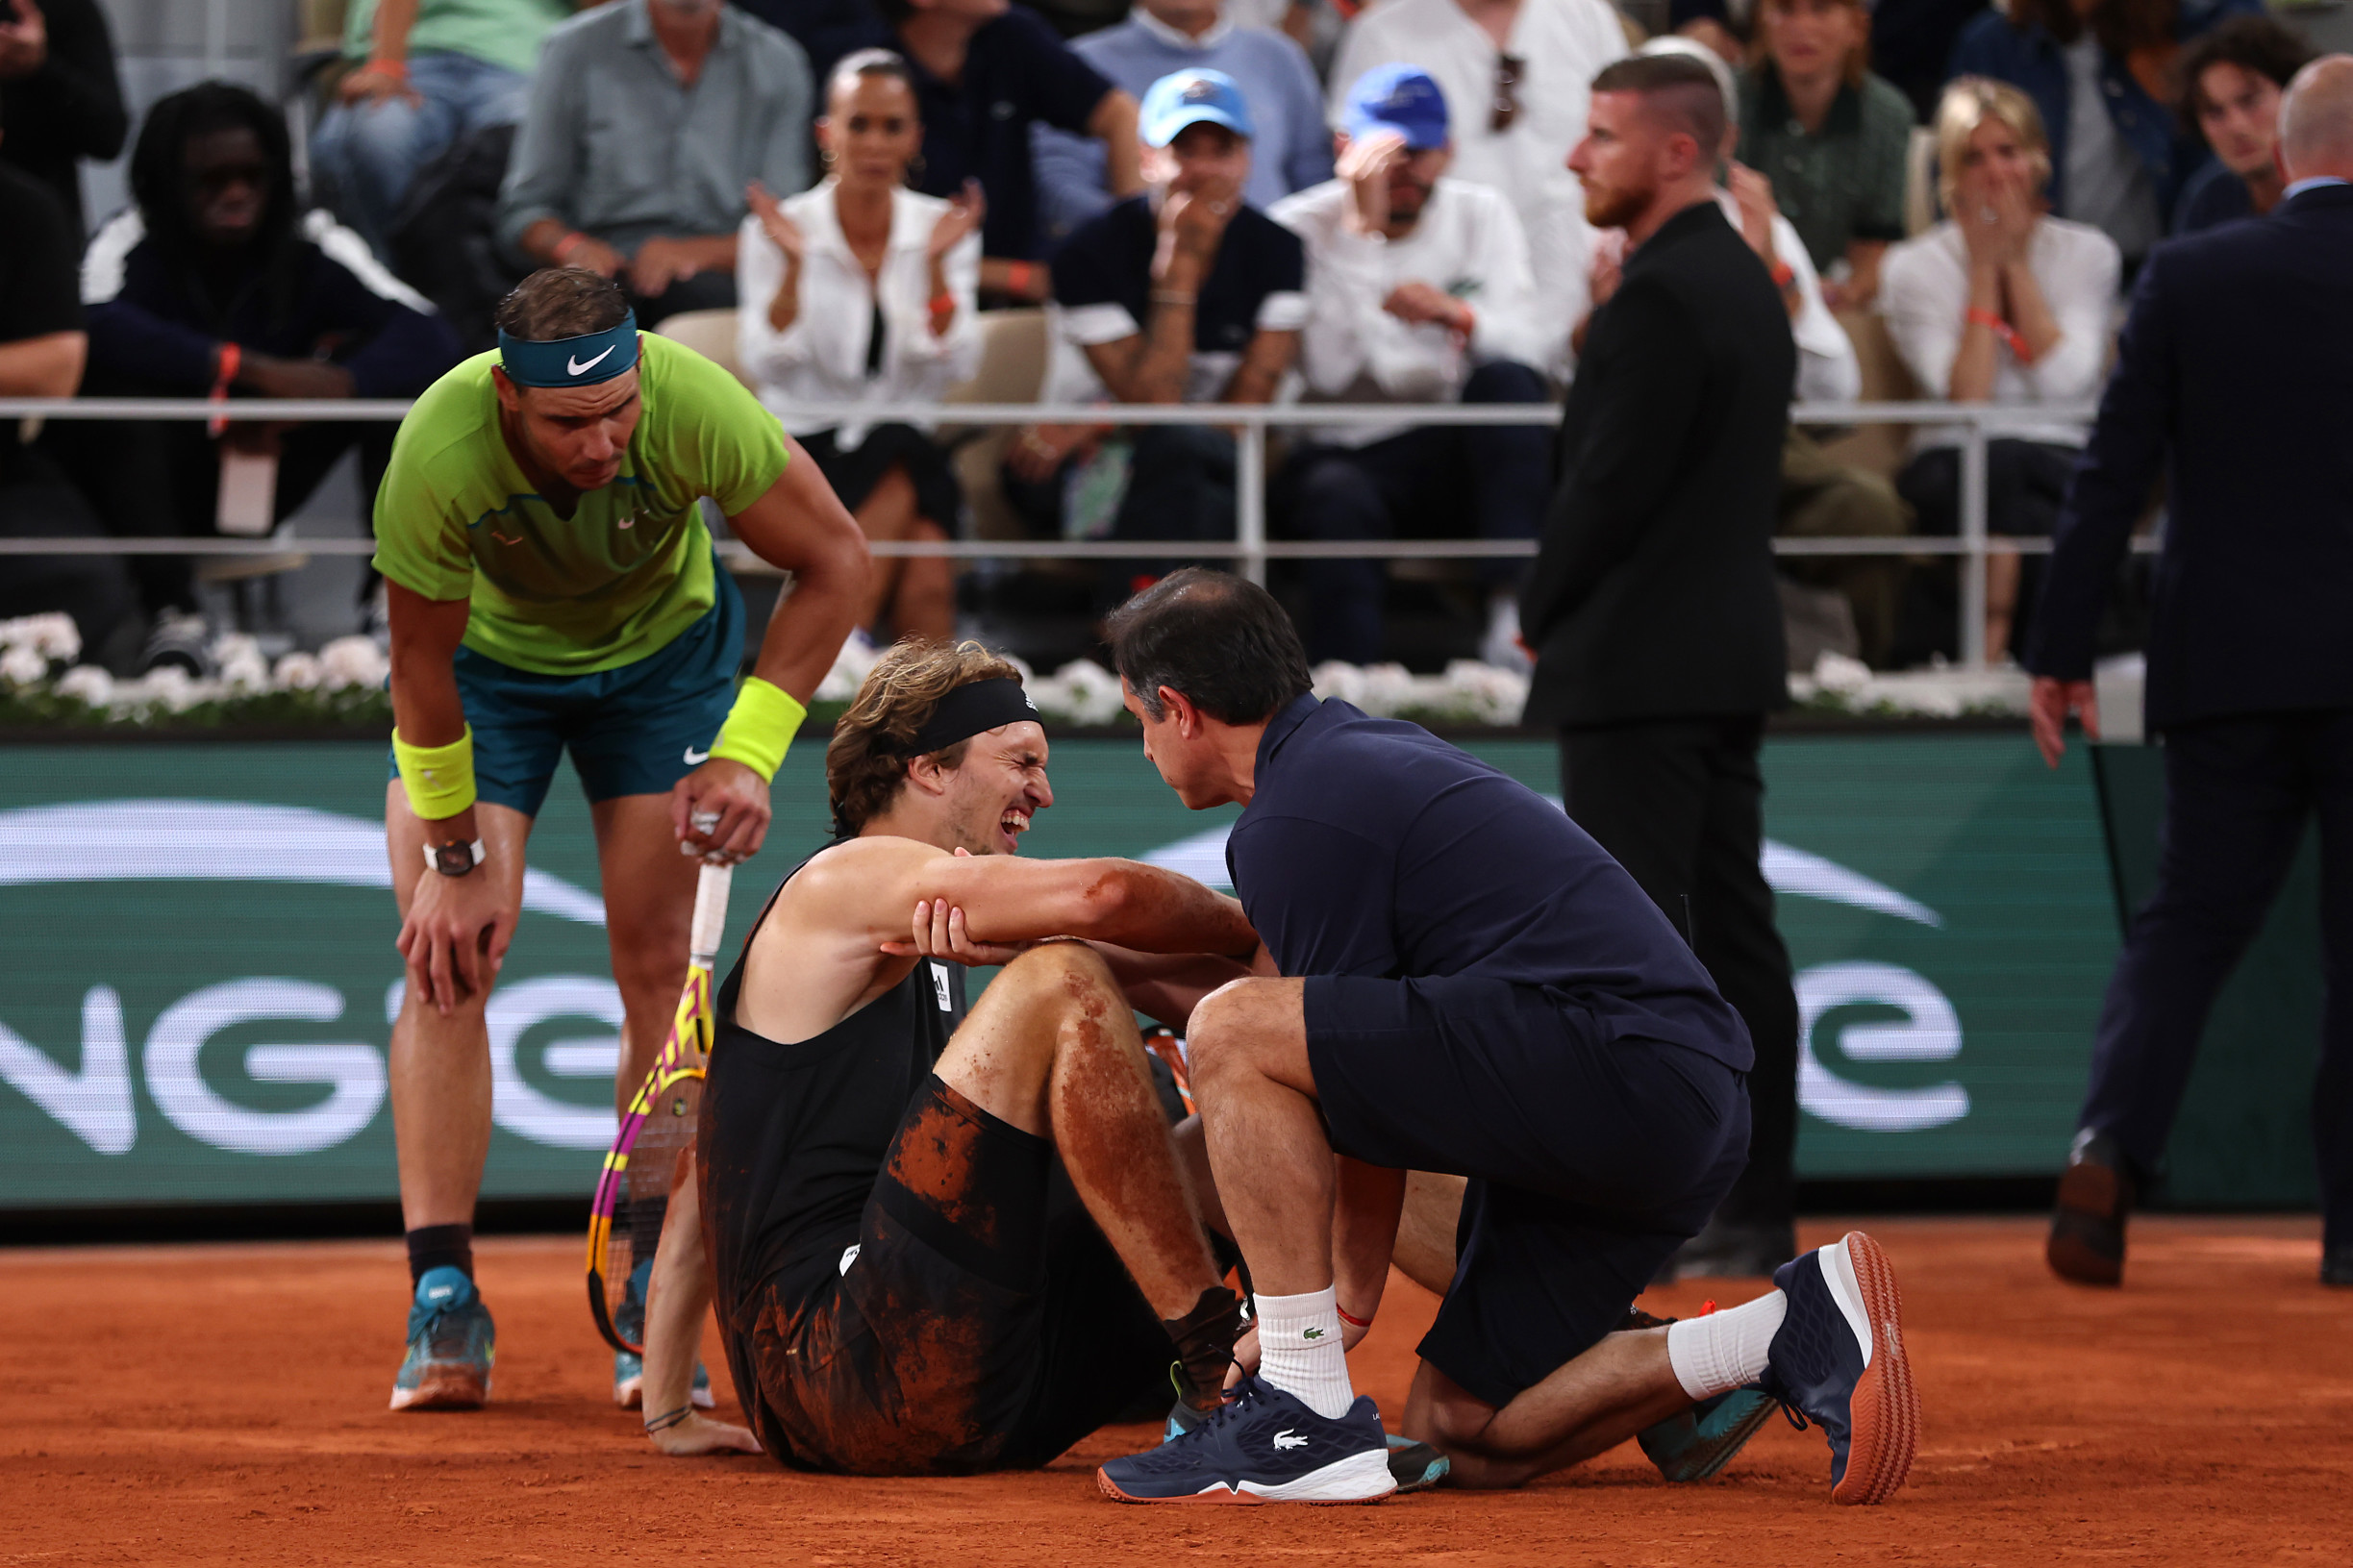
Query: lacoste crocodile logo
point(1285, 1439)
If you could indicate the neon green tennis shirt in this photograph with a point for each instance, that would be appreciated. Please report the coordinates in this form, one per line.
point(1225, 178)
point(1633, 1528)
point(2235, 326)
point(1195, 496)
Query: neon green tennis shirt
point(628, 571)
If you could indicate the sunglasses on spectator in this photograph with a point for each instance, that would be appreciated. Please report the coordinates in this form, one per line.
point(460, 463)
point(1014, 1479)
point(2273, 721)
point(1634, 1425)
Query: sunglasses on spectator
point(1506, 106)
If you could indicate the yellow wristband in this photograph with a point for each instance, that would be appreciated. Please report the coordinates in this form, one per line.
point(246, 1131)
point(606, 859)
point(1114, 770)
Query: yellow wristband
point(759, 728)
point(439, 780)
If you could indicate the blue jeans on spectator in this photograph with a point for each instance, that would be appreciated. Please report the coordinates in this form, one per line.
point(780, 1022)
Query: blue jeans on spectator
point(373, 150)
point(1428, 481)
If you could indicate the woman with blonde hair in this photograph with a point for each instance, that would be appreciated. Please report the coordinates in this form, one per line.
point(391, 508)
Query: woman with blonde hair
point(2101, 74)
point(860, 292)
point(2000, 302)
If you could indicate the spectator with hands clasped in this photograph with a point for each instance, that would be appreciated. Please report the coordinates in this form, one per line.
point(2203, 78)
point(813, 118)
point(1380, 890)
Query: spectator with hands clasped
point(861, 292)
point(2001, 303)
point(217, 282)
point(1184, 294)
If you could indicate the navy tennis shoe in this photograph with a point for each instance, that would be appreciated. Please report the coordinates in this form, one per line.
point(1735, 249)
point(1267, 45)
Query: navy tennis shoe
point(1262, 1446)
point(1838, 1361)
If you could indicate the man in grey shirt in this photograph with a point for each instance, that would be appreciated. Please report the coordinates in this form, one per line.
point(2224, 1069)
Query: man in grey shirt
point(648, 120)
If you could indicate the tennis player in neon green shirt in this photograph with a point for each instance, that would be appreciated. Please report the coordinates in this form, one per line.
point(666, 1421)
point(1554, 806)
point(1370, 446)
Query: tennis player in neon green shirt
point(552, 588)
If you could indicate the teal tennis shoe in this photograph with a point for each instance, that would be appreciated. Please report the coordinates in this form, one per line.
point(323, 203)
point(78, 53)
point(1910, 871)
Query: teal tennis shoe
point(452, 1343)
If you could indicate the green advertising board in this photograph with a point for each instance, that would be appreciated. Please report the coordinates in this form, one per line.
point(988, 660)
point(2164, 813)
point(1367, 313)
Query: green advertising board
point(200, 970)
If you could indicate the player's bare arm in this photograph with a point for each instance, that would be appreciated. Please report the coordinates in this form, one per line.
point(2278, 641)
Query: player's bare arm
point(455, 930)
point(800, 526)
point(846, 920)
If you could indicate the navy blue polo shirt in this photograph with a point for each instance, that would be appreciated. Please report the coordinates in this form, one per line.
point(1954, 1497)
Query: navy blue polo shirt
point(1373, 848)
point(1017, 69)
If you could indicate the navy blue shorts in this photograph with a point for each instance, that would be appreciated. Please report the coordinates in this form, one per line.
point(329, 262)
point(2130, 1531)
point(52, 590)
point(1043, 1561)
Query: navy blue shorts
point(1591, 1157)
point(632, 731)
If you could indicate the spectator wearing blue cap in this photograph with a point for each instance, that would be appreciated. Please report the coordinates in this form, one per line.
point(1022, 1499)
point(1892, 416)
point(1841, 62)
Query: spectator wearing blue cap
point(1184, 294)
point(1420, 290)
point(1517, 74)
point(1290, 151)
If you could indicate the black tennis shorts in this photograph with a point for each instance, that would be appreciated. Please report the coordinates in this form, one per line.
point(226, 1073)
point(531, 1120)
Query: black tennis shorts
point(983, 1322)
point(1591, 1158)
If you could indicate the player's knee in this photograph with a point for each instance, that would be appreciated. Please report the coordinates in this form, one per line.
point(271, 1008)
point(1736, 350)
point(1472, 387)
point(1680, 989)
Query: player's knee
point(1058, 976)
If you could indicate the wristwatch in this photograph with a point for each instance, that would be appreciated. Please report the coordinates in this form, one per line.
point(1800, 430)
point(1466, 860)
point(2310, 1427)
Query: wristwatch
point(454, 858)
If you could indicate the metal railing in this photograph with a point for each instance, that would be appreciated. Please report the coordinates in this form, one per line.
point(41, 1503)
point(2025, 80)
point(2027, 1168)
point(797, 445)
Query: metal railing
point(1251, 549)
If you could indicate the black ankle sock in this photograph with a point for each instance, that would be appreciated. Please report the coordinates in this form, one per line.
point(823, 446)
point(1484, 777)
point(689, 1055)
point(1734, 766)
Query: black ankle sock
point(441, 1246)
point(1205, 1344)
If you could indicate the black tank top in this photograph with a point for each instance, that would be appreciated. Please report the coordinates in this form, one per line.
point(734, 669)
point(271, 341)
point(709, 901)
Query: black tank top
point(792, 1136)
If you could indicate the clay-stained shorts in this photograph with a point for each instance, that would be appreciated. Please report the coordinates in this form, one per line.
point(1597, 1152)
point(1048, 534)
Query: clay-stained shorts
point(984, 1324)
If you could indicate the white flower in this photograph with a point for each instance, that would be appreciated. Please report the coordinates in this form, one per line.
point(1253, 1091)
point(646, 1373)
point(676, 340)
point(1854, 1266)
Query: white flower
point(245, 670)
point(1080, 692)
point(1484, 693)
point(86, 682)
point(52, 635)
point(1345, 681)
point(1389, 689)
point(1835, 672)
point(297, 672)
point(352, 661)
point(21, 664)
point(167, 685)
point(231, 645)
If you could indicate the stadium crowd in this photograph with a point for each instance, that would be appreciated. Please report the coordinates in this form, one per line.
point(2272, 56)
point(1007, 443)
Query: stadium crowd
point(1203, 201)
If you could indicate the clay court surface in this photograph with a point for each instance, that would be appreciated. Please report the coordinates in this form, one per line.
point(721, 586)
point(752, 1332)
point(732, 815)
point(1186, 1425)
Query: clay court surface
point(225, 1404)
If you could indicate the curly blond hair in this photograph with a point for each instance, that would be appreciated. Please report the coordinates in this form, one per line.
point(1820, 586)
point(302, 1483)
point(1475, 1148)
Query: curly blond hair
point(866, 763)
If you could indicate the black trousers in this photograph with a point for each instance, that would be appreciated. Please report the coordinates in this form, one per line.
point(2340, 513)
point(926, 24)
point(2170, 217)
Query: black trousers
point(1680, 804)
point(37, 503)
point(162, 479)
point(2238, 794)
point(1488, 480)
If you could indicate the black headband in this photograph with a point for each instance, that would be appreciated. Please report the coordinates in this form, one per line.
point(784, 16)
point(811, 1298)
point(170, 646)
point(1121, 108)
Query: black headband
point(969, 710)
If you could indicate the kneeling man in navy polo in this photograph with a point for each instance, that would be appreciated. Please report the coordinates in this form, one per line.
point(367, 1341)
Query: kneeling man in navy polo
point(1469, 985)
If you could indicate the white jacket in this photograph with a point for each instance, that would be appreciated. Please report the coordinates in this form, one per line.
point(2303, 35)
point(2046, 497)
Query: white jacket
point(821, 358)
point(1468, 243)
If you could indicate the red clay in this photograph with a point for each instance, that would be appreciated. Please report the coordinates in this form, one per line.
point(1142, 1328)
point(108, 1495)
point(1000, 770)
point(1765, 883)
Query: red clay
point(227, 1404)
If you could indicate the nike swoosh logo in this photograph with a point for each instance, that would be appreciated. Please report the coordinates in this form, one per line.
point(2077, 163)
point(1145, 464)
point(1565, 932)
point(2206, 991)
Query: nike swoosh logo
point(694, 757)
point(578, 369)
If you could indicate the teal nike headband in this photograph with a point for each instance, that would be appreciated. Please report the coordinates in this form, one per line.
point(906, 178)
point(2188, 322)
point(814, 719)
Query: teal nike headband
point(570, 361)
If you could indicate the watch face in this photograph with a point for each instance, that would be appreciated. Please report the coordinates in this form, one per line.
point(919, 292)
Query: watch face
point(453, 859)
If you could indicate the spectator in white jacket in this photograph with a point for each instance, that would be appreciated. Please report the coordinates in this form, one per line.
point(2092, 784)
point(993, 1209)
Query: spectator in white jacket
point(2000, 302)
point(859, 293)
point(1419, 291)
point(1518, 75)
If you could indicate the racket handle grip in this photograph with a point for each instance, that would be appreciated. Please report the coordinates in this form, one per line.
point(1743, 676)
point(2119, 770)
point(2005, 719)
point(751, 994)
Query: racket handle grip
point(710, 888)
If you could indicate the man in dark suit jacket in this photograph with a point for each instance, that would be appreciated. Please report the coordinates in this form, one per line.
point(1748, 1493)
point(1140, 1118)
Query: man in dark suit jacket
point(2231, 376)
point(1651, 608)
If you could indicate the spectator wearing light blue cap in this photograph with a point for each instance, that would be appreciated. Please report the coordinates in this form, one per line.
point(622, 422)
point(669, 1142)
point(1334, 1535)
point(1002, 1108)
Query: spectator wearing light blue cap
point(1184, 294)
point(1419, 292)
point(1290, 151)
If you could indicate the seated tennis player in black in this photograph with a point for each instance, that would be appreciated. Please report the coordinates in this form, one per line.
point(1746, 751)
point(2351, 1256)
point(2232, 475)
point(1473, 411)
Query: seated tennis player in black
point(943, 1245)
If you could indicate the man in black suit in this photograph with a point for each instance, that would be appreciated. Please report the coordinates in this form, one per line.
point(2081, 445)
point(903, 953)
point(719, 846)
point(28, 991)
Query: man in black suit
point(2230, 376)
point(1651, 608)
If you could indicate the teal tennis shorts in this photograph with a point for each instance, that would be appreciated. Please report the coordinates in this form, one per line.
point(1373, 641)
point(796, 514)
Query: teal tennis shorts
point(633, 731)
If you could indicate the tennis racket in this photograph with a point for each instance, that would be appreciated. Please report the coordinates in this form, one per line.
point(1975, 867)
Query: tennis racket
point(650, 1152)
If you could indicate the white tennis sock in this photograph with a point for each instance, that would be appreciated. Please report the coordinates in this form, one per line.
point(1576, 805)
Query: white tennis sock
point(1724, 1351)
point(1299, 1351)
